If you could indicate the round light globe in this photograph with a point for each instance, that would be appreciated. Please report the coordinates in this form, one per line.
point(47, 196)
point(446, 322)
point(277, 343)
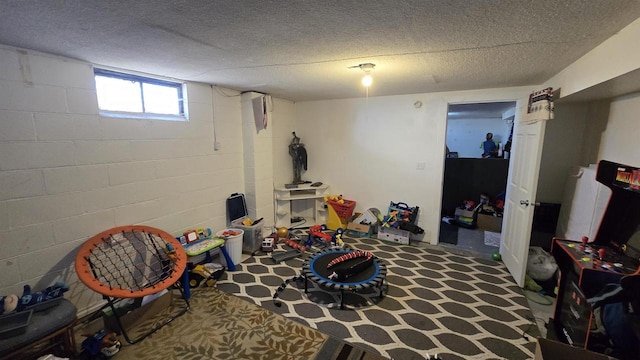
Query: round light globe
point(367, 80)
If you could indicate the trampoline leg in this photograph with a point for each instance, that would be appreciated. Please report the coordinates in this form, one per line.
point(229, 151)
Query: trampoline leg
point(341, 299)
point(306, 285)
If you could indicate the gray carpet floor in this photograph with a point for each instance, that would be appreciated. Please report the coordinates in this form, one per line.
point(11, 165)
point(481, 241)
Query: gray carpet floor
point(457, 306)
point(474, 240)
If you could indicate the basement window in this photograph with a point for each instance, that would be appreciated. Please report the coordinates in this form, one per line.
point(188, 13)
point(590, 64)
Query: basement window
point(132, 96)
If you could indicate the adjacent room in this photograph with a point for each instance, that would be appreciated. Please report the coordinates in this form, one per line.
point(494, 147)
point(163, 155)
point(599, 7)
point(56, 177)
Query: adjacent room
point(317, 180)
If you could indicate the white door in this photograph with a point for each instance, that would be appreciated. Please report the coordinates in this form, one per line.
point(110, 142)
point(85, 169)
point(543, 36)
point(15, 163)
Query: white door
point(522, 185)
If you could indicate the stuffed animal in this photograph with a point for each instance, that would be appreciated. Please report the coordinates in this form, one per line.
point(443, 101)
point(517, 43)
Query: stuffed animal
point(54, 291)
point(11, 302)
point(8, 303)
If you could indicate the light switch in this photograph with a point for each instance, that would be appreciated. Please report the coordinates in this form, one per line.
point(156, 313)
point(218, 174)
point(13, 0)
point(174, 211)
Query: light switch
point(420, 165)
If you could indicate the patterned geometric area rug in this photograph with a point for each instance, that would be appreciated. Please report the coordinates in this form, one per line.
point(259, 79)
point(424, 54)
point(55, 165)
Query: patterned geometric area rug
point(221, 326)
point(457, 306)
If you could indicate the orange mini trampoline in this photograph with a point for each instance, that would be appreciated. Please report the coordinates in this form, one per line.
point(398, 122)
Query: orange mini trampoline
point(132, 262)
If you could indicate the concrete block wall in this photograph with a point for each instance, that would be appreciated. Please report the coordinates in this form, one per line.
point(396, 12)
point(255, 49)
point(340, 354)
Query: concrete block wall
point(67, 173)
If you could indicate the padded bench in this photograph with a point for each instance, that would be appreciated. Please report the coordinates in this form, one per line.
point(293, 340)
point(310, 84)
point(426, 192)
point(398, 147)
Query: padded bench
point(48, 330)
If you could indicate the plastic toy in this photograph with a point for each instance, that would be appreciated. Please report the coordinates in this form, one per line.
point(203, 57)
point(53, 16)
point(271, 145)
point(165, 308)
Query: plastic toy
point(298, 249)
point(336, 198)
point(317, 231)
point(204, 273)
point(102, 343)
point(268, 244)
point(171, 252)
point(229, 233)
point(336, 239)
point(390, 220)
point(349, 256)
point(294, 243)
point(283, 233)
point(203, 233)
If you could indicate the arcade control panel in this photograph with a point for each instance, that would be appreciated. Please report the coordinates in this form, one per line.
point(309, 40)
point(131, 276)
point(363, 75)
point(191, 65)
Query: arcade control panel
point(598, 257)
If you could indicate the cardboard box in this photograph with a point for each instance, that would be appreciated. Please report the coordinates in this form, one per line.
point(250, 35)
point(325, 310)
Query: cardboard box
point(551, 350)
point(465, 213)
point(489, 222)
point(139, 315)
point(356, 229)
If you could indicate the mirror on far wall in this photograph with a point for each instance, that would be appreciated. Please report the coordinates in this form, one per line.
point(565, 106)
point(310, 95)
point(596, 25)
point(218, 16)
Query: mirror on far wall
point(469, 124)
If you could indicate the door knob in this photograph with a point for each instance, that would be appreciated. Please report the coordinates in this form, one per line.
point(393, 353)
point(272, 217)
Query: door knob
point(526, 203)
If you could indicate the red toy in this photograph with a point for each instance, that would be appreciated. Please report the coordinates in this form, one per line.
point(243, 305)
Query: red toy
point(317, 231)
point(294, 244)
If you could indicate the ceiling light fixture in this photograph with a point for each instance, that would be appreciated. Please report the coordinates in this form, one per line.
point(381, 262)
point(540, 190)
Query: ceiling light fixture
point(367, 80)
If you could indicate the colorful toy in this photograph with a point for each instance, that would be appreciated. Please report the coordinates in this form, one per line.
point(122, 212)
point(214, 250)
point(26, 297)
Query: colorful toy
point(336, 239)
point(102, 343)
point(390, 220)
point(349, 256)
point(336, 198)
point(229, 232)
point(283, 233)
point(268, 244)
point(317, 231)
point(203, 233)
point(294, 243)
point(12, 303)
point(171, 252)
point(204, 273)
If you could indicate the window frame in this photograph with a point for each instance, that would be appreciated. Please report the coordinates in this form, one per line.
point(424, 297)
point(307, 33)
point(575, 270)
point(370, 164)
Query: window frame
point(143, 80)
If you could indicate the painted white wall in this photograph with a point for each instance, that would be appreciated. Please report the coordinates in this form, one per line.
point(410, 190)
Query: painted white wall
point(67, 173)
point(466, 136)
point(371, 151)
point(584, 133)
point(564, 143)
point(620, 139)
point(616, 56)
point(283, 127)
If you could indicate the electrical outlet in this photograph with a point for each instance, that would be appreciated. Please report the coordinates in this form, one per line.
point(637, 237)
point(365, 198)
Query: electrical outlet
point(420, 165)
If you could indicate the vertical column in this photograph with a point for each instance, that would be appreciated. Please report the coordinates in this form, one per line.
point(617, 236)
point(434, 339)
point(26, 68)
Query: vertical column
point(258, 162)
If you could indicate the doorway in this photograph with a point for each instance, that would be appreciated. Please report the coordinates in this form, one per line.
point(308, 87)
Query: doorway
point(474, 185)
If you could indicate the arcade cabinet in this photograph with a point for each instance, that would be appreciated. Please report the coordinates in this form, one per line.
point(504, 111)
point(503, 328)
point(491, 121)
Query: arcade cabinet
point(588, 265)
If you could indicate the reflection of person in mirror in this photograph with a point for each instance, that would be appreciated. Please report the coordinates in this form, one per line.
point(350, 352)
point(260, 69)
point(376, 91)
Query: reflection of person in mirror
point(490, 147)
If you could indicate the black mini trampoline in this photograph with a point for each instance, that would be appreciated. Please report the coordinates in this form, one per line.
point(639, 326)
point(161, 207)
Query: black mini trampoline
point(315, 269)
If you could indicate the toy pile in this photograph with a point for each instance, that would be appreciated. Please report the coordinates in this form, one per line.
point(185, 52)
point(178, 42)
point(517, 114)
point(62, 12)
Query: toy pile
point(466, 214)
point(488, 207)
point(401, 216)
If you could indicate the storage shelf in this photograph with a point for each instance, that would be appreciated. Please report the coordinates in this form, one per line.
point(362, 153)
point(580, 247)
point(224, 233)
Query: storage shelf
point(285, 197)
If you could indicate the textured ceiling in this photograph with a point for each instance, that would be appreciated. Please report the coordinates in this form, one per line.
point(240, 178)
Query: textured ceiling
point(302, 50)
